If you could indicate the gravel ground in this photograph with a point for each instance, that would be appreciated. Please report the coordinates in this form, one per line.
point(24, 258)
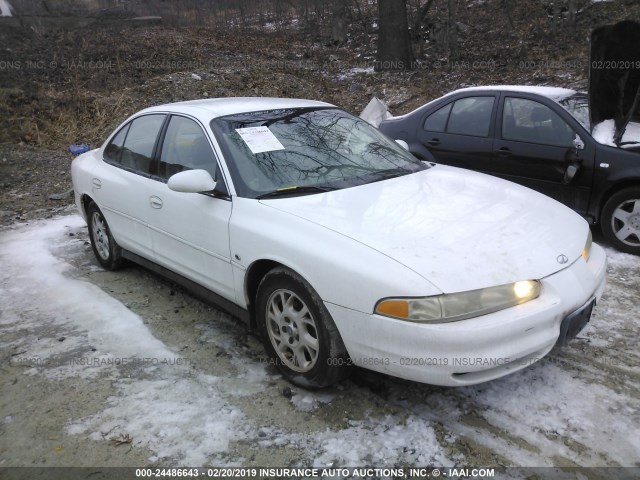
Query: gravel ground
point(126, 369)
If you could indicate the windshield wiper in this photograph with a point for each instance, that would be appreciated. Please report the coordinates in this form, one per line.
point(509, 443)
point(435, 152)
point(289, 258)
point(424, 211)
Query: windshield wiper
point(293, 191)
point(393, 173)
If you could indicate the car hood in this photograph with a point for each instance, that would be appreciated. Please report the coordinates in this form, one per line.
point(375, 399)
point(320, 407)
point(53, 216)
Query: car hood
point(458, 229)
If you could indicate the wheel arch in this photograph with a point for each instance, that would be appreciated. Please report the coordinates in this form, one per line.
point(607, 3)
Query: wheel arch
point(85, 201)
point(254, 275)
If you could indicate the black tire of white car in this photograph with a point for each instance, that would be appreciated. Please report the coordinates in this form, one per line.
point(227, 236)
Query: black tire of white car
point(105, 248)
point(298, 332)
point(622, 202)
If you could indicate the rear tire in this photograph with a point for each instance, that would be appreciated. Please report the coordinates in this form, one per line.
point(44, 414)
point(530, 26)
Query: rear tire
point(621, 220)
point(105, 248)
point(298, 331)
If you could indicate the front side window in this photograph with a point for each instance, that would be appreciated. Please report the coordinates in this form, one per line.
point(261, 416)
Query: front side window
point(529, 121)
point(306, 150)
point(185, 147)
point(140, 141)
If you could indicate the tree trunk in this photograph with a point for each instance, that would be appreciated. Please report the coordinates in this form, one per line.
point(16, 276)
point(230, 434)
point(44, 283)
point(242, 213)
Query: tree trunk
point(452, 32)
point(394, 45)
point(339, 28)
point(573, 14)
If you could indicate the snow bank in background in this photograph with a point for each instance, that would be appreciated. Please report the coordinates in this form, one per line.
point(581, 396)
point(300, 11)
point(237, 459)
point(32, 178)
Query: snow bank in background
point(603, 133)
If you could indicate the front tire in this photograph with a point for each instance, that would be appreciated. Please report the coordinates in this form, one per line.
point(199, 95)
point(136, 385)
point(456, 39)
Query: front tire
point(298, 331)
point(621, 220)
point(105, 248)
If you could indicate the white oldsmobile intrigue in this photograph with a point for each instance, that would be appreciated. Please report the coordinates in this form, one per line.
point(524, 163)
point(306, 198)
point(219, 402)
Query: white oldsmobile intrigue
point(338, 245)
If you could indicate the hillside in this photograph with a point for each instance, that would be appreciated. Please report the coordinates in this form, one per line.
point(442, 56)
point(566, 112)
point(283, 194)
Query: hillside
point(63, 82)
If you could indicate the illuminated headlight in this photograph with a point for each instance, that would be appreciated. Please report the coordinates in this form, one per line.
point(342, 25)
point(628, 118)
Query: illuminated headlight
point(459, 306)
point(587, 246)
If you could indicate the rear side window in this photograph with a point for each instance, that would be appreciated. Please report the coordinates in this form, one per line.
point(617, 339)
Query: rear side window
point(467, 116)
point(437, 121)
point(113, 152)
point(139, 143)
point(471, 116)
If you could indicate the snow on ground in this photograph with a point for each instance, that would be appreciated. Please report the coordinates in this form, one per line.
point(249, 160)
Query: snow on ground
point(563, 409)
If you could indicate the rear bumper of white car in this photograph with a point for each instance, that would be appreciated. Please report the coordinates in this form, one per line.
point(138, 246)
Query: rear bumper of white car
point(479, 349)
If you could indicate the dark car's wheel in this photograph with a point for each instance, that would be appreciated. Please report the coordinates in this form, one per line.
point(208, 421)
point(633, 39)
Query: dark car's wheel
point(621, 220)
point(105, 248)
point(298, 332)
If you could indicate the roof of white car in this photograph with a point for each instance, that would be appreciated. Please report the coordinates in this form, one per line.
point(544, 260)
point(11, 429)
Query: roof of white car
point(219, 107)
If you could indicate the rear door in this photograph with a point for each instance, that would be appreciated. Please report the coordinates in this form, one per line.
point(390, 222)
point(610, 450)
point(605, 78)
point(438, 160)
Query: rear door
point(460, 132)
point(119, 185)
point(534, 146)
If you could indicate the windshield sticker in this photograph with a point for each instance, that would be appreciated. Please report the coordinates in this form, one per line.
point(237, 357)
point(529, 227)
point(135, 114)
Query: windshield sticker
point(260, 139)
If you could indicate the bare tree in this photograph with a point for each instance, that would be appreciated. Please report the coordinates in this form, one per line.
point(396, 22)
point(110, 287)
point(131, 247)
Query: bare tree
point(394, 44)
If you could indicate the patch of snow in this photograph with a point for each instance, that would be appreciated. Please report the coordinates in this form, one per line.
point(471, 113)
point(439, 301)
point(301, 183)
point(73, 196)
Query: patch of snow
point(555, 93)
point(308, 401)
point(185, 420)
point(108, 329)
point(390, 440)
point(181, 417)
point(604, 131)
point(542, 404)
point(5, 9)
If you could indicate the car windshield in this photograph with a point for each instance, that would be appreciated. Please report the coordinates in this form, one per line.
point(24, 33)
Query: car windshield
point(304, 151)
point(578, 106)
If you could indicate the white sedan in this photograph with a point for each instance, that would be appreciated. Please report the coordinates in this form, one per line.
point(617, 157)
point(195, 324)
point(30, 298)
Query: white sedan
point(336, 244)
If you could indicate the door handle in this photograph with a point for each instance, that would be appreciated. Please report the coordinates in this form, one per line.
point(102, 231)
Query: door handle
point(96, 183)
point(434, 141)
point(504, 152)
point(155, 202)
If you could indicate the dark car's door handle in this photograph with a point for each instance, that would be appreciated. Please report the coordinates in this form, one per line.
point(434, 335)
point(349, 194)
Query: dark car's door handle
point(434, 141)
point(504, 152)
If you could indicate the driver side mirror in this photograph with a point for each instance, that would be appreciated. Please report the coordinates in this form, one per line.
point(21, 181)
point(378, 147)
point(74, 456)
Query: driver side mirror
point(192, 181)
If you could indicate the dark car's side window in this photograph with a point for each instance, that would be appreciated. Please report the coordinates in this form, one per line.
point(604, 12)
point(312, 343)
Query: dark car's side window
point(467, 116)
point(139, 142)
point(437, 121)
point(471, 116)
point(529, 121)
point(185, 147)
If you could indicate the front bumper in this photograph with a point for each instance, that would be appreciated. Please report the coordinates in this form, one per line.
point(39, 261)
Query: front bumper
point(478, 349)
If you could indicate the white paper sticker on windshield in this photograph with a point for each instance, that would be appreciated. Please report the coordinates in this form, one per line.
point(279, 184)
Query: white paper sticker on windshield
point(260, 139)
